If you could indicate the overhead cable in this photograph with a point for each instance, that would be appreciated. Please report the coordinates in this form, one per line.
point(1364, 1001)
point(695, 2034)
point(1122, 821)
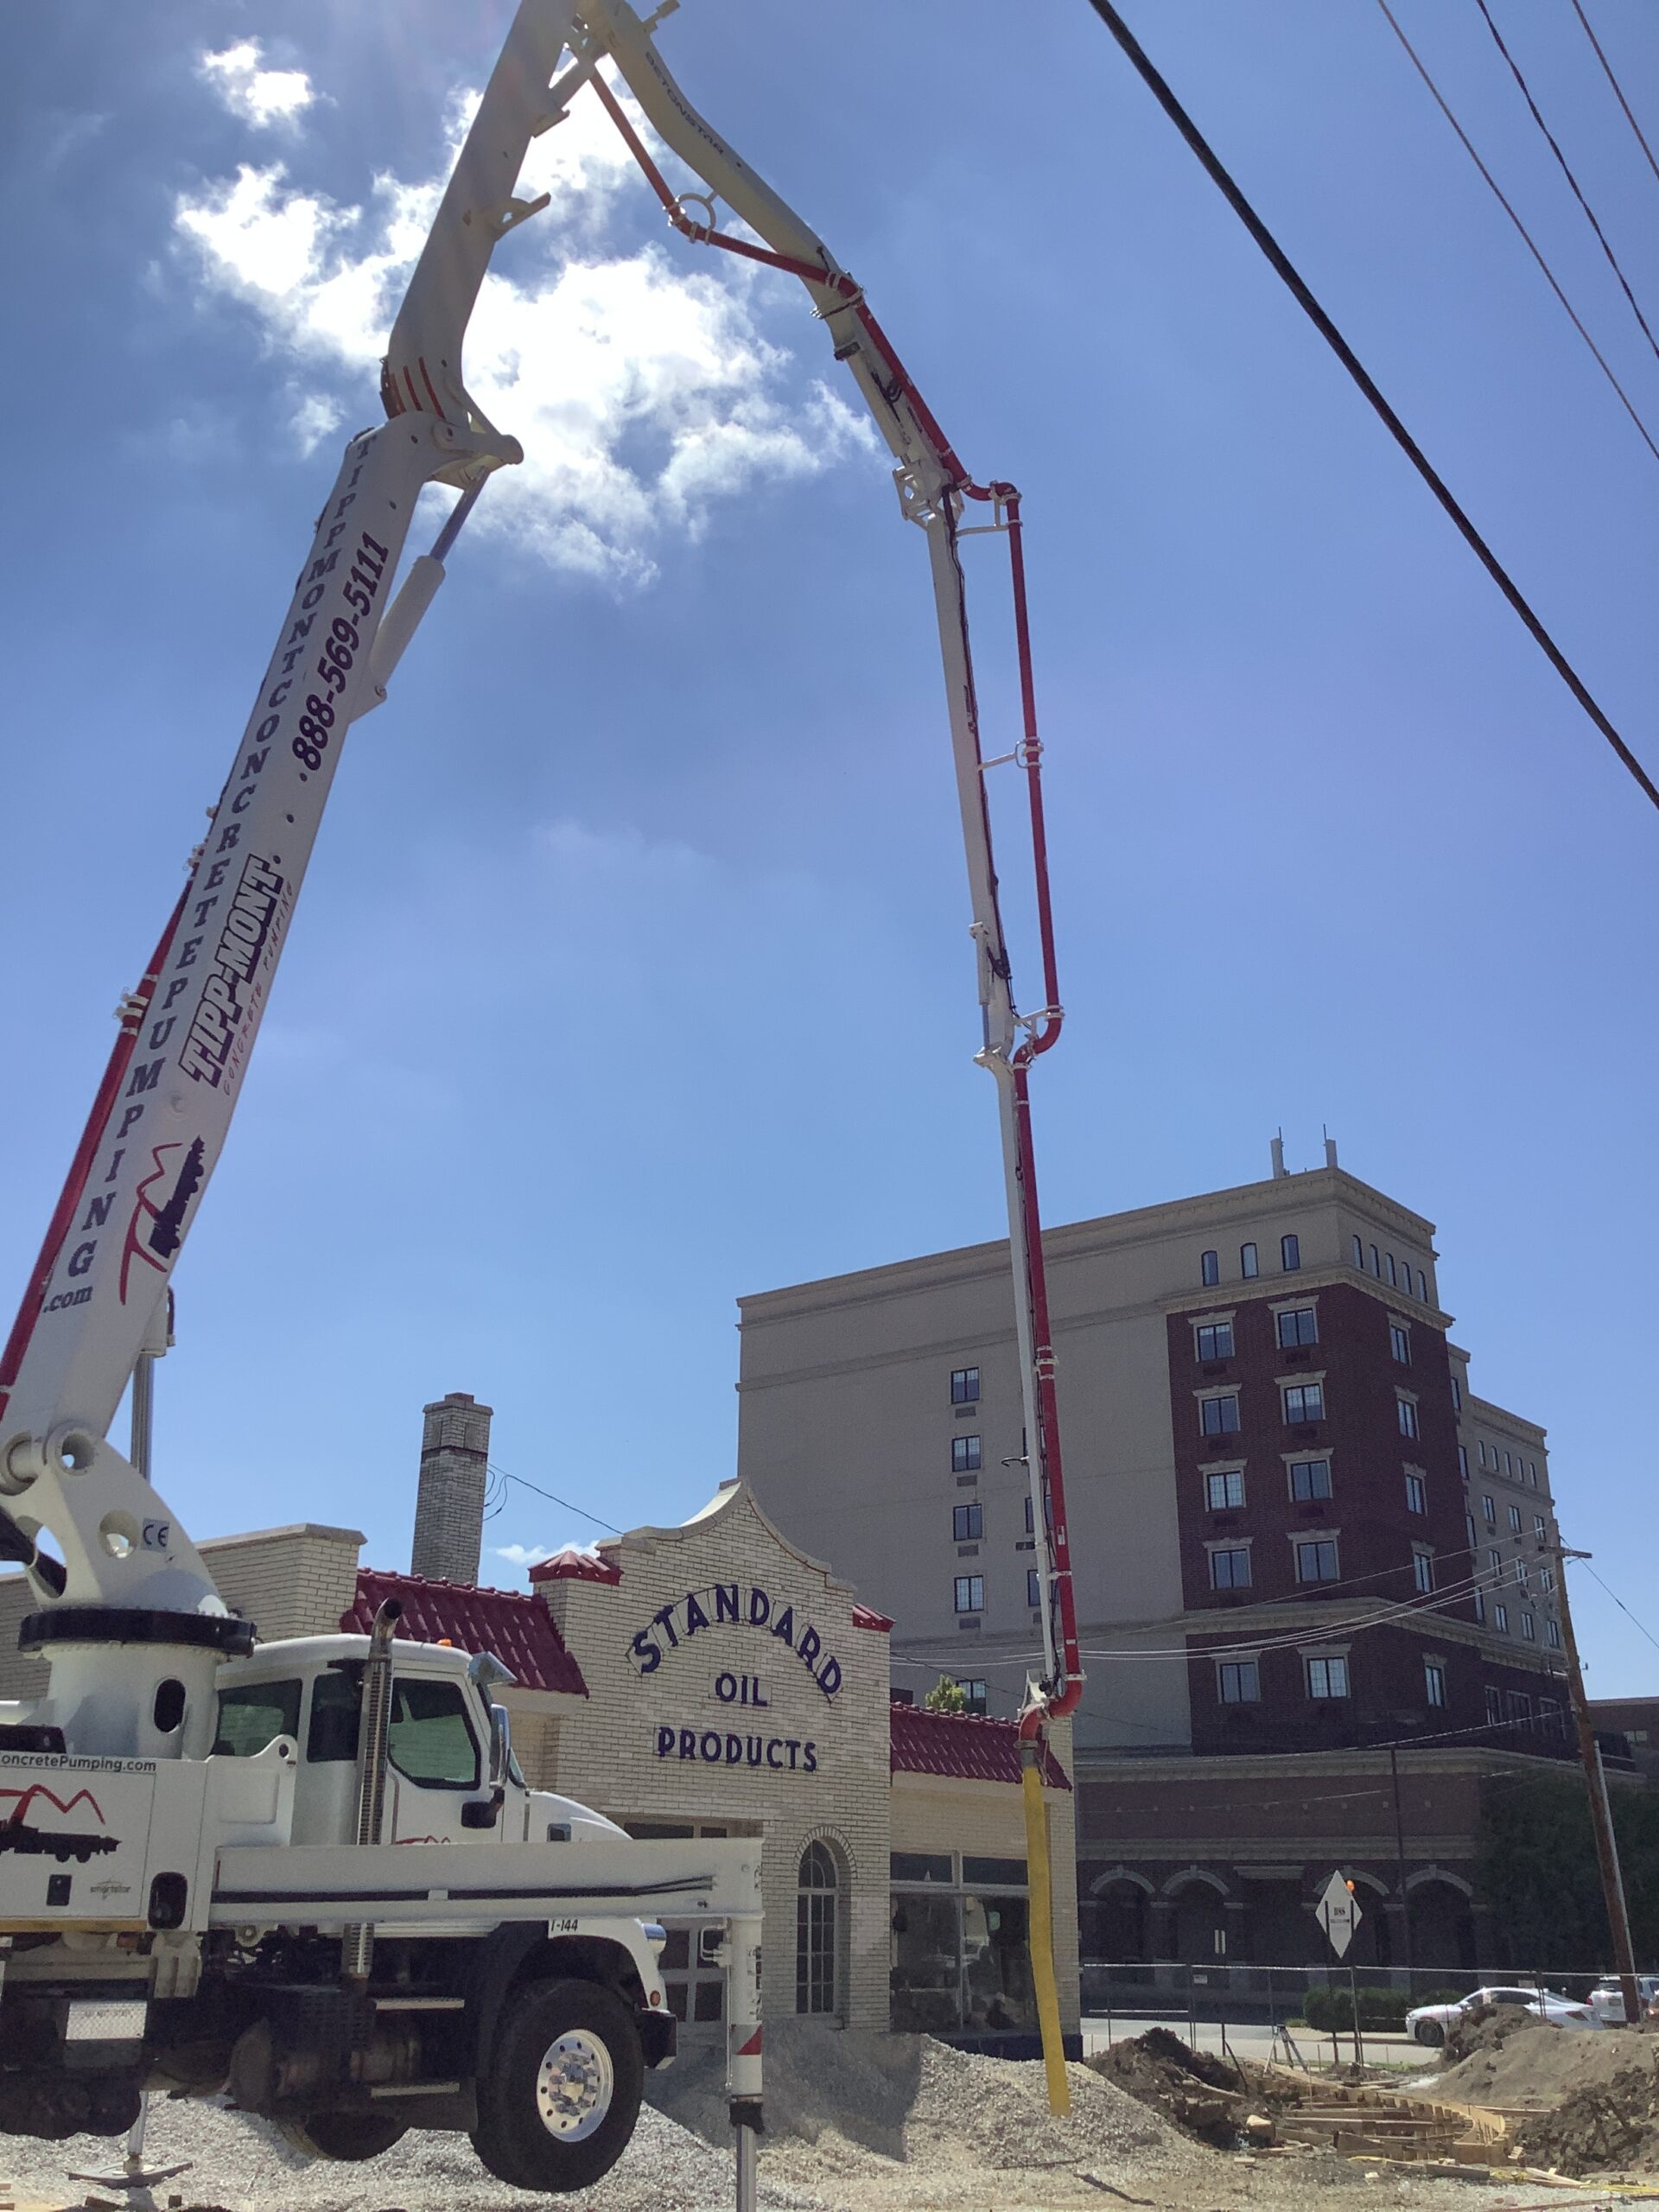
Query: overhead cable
point(1532, 246)
point(1625, 1610)
point(1618, 90)
point(1566, 169)
point(1345, 353)
point(553, 1498)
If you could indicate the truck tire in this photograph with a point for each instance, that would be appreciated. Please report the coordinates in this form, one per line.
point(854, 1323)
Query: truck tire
point(557, 2102)
point(349, 2137)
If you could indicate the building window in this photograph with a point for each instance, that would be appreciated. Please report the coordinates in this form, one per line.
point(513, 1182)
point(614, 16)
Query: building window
point(968, 1521)
point(1495, 1562)
point(1423, 1569)
point(1494, 1708)
point(1215, 1340)
point(1521, 1573)
point(1416, 1495)
point(1520, 1706)
point(1540, 1528)
point(1048, 1512)
point(1226, 1489)
point(1501, 1619)
point(1238, 1681)
point(1327, 1678)
point(1508, 1469)
point(1300, 1326)
point(965, 1453)
point(1463, 1461)
point(1359, 1254)
point(1528, 1629)
point(1400, 1343)
point(1376, 1261)
point(1290, 1253)
point(1469, 1531)
point(1422, 1286)
point(1434, 1682)
point(1547, 1576)
point(1532, 1472)
point(1553, 1635)
point(1209, 1269)
point(1247, 1261)
point(817, 1895)
point(970, 1593)
point(975, 1692)
point(964, 1386)
point(1034, 1588)
point(1229, 1569)
point(1394, 1281)
point(1219, 1417)
point(1515, 1519)
point(1457, 1396)
point(1407, 1417)
point(1549, 1717)
point(1489, 1510)
point(1315, 1559)
point(1309, 1478)
point(1480, 1608)
point(1304, 1402)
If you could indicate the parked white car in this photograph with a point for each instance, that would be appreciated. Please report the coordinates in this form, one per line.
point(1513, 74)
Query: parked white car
point(1429, 2022)
point(1607, 1998)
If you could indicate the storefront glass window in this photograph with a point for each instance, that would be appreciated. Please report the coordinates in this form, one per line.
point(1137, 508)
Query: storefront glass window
point(927, 1964)
point(997, 1965)
point(960, 1962)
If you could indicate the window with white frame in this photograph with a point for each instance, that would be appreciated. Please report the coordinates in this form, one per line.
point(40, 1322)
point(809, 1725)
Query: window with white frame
point(1407, 1416)
point(1315, 1559)
point(1394, 1281)
point(1463, 1461)
point(1422, 1286)
point(1238, 1681)
point(1489, 1510)
point(1434, 1681)
point(1495, 1562)
point(1422, 1568)
point(1214, 1340)
point(1522, 1573)
point(1539, 1527)
point(1480, 1608)
point(1399, 1344)
point(1290, 1253)
point(1327, 1678)
point(1299, 1326)
point(1528, 1628)
point(1501, 1619)
point(1303, 1401)
point(1515, 1519)
point(1553, 1635)
point(1224, 1489)
point(1209, 1269)
point(1416, 1493)
point(1218, 1414)
point(1309, 1478)
point(1547, 1577)
point(1229, 1566)
point(1359, 1254)
point(1532, 1472)
point(970, 1593)
point(1376, 1262)
point(1248, 1265)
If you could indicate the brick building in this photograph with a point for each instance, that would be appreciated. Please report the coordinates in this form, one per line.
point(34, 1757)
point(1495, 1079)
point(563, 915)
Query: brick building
point(1299, 1542)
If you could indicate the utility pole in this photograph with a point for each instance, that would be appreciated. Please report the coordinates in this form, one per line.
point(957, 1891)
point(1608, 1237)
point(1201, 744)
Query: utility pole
point(1601, 1819)
point(1400, 1858)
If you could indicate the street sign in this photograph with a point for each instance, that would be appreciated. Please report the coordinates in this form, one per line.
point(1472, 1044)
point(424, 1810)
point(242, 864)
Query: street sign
point(1338, 1913)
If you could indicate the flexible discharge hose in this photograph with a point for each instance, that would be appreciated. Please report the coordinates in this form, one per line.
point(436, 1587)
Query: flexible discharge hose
point(1042, 1928)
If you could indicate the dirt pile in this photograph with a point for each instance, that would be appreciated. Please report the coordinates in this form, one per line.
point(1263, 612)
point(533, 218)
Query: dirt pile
point(1490, 2030)
point(1517, 2070)
point(1605, 2127)
point(1205, 2097)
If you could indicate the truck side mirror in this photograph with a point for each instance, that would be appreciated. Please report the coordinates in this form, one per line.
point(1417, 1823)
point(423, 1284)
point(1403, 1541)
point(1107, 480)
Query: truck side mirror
point(501, 1744)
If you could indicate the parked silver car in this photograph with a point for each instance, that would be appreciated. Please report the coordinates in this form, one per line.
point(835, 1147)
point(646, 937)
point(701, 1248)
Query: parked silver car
point(1429, 2022)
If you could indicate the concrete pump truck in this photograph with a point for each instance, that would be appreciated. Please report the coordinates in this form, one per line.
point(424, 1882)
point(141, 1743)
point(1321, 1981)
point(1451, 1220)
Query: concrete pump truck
point(200, 1887)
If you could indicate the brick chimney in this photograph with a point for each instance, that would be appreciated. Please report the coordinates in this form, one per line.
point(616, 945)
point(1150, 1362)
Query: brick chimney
point(450, 1504)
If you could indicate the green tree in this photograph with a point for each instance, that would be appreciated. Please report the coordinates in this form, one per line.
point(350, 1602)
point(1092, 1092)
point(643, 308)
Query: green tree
point(946, 1696)
point(1537, 1876)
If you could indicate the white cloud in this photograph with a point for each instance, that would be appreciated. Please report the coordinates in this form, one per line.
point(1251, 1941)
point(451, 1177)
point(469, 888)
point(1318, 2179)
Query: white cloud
point(258, 95)
point(524, 1556)
point(643, 391)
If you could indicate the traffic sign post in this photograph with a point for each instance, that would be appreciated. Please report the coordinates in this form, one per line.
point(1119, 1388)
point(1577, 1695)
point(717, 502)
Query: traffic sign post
point(1339, 1913)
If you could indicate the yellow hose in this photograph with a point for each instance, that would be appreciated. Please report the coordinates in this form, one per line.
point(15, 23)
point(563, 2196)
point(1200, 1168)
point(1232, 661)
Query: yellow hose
point(1042, 1936)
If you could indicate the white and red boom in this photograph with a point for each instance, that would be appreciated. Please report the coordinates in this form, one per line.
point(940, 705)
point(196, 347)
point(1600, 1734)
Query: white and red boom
point(161, 1114)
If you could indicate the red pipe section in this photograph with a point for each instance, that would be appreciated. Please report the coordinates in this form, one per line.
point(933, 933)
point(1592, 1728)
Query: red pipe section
point(133, 1020)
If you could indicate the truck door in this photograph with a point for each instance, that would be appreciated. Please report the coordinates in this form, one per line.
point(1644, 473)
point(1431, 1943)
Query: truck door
point(437, 1761)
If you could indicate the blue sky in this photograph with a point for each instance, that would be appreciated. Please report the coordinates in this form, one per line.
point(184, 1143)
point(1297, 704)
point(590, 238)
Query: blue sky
point(632, 971)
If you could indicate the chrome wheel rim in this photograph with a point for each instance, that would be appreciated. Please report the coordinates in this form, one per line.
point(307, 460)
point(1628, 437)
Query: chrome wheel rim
point(575, 2084)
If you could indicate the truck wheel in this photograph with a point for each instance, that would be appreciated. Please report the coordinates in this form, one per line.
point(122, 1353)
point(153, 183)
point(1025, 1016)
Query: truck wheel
point(558, 2102)
point(350, 2136)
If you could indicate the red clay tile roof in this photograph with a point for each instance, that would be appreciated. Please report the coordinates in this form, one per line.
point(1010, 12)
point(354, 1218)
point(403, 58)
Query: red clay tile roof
point(516, 1627)
point(574, 1565)
point(867, 1616)
point(963, 1747)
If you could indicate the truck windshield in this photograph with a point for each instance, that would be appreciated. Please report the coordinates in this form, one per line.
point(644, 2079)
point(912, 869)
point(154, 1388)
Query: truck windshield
point(253, 1715)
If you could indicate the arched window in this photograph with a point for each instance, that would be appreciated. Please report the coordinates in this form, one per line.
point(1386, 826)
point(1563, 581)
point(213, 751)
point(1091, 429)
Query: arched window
point(816, 1932)
point(1210, 1268)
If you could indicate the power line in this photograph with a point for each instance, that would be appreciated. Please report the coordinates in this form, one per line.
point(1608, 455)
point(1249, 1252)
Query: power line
point(1345, 353)
point(1578, 193)
point(1531, 244)
point(1618, 90)
point(553, 1498)
point(1625, 1610)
